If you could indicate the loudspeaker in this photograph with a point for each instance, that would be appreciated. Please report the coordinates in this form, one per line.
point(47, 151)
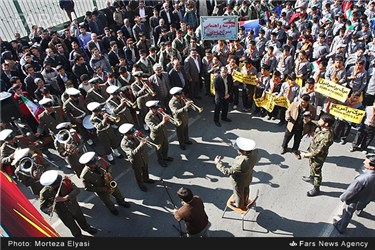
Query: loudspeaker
point(9, 108)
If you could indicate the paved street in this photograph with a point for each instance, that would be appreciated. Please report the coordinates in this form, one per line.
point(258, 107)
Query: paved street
point(282, 209)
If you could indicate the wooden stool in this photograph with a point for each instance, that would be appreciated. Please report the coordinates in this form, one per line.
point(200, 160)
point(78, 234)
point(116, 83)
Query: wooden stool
point(243, 212)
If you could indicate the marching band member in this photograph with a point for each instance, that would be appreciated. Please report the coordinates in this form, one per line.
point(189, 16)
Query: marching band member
point(75, 107)
point(8, 146)
point(59, 194)
point(143, 93)
point(29, 167)
point(133, 144)
point(97, 93)
point(180, 107)
point(50, 117)
point(97, 177)
point(102, 121)
point(158, 131)
point(120, 105)
point(70, 146)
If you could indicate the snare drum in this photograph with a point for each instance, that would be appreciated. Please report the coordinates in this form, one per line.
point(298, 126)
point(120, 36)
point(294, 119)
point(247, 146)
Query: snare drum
point(88, 125)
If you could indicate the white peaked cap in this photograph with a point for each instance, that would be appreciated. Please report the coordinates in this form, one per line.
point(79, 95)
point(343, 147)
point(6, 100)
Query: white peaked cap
point(63, 125)
point(86, 157)
point(124, 128)
point(45, 101)
point(19, 153)
point(112, 89)
point(72, 91)
point(152, 103)
point(175, 90)
point(244, 144)
point(4, 134)
point(49, 177)
point(92, 106)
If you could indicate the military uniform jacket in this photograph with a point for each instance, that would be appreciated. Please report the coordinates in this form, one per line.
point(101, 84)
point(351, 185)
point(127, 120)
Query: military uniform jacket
point(48, 122)
point(75, 142)
point(178, 109)
point(137, 155)
point(114, 104)
point(158, 131)
point(94, 181)
point(5, 153)
point(98, 122)
point(75, 110)
point(97, 95)
point(320, 144)
point(361, 190)
point(47, 196)
point(241, 171)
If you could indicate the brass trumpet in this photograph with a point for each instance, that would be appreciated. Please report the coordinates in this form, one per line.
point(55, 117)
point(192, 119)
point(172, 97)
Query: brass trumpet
point(193, 105)
point(171, 119)
point(148, 142)
point(128, 102)
point(112, 118)
point(148, 88)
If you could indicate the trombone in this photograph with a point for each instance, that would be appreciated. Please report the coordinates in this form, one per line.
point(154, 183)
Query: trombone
point(175, 122)
point(148, 142)
point(193, 105)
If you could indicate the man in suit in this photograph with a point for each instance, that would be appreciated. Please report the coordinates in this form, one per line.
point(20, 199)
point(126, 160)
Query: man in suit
point(223, 84)
point(144, 12)
point(177, 77)
point(138, 28)
point(160, 83)
point(96, 43)
point(193, 69)
point(358, 195)
point(166, 14)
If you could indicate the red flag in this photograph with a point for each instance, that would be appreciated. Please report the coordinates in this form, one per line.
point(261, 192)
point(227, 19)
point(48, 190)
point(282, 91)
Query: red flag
point(34, 108)
point(19, 218)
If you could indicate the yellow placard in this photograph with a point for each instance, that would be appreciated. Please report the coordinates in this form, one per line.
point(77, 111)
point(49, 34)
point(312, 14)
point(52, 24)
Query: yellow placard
point(265, 102)
point(299, 81)
point(281, 101)
point(212, 87)
point(238, 76)
point(331, 89)
point(347, 113)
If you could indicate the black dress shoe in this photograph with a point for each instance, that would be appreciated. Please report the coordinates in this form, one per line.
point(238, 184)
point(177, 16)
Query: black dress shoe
point(188, 142)
point(163, 164)
point(313, 192)
point(114, 211)
point(124, 204)
point(226, 120)
point(183, 147)
point(143, 188)
point(168, 159)
point(92, 230)
point(150, 181)
point(337, 228)
point(218, 124)
point(308, 179)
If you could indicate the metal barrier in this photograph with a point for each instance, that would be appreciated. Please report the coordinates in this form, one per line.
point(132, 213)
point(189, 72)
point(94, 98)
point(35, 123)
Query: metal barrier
point(18, 16)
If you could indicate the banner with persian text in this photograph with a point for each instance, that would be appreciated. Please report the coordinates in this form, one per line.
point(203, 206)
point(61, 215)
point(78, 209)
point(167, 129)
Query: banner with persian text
point(219, 27)
point(331, 89)
point(347, 113)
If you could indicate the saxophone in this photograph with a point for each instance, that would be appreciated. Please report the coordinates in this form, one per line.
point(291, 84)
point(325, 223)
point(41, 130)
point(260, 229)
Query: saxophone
point(109, 182)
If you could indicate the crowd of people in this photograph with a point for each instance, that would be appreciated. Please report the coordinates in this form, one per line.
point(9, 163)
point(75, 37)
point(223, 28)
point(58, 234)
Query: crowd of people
point(134, 66)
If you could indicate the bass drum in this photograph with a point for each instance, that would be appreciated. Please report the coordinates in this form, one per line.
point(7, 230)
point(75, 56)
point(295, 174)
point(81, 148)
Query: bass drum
point(86, 123)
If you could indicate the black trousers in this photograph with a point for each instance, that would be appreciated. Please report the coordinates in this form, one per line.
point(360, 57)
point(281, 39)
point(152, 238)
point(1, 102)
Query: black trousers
point(297, 133)
point(221, 105)
point(364, 137)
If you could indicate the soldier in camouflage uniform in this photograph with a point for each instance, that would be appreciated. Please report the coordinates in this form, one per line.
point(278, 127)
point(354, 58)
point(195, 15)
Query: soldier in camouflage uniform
point(318, 151)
